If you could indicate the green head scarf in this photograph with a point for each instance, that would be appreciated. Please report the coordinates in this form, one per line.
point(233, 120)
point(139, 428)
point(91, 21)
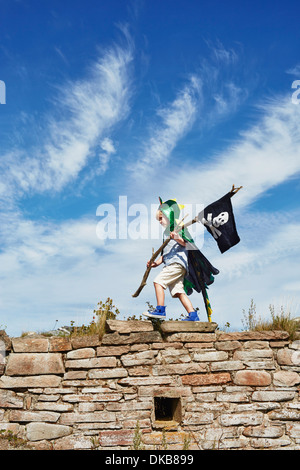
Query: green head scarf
point(171, 210)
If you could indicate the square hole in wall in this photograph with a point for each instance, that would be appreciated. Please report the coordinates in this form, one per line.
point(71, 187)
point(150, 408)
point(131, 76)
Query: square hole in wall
point(167, 409)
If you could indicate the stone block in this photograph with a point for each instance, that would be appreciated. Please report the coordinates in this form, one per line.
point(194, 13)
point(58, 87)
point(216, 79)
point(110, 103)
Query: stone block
point(51, 406)
point(165, 391)
point(156, 438)
point(293, 430)
point(5, 339)
point(256, 345)
point(112, 350)
point(180, 369)
point(75, 374)
point(30, 416)
point(58, 344)
point(253, 355)
point(210, 356)
point(85, 397)
point(288, 357)
point(241, 419)
point(228, 345)
point(197, 418)
point(252, 378)
point(260, 365)
point(115, 339)
point(140, 381)
point(164, 345)
point(264, 443)
point(191, 337)
point(40, 431)
point(175, 356)
point(252, 335)
point(95, 417)
point(264, 431)
point(73, 442)
point(229, 444)
point(128, 326)
point(100, 397)
point(285, 378)
point(234, 397)
point(132, 406)
point(193, 346)
point(29, 344)
point(136, 371)
point(115, 438)
point(186, 326)
point(83, 353)
point(84, 407)
point(226, 365)
point(140, 358)
point(270, 395)
point(91, 363)
point(26, 364)
point(36, 381)
point(206, 379)
point(85, 341)
point(114, 373)
point(9, 399)
point(285, 415)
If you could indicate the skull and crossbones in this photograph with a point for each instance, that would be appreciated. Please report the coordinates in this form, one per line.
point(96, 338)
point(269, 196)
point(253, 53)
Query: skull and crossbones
point(214, 223)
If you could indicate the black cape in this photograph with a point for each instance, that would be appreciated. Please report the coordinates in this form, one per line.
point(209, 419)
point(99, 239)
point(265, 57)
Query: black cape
point(200, 273)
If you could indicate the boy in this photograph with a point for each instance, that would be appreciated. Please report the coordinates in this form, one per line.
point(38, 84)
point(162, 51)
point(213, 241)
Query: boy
point(174, 257)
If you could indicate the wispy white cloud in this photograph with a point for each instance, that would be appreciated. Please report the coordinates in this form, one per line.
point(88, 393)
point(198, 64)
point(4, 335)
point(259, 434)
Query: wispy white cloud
point(107, 150)
point(294, 70)
point(38, 244)
point(225, 84)
point(173, 122)
point(212, 94)
point(85, 112)
point(60, 270)
point(265, 155)
point(221, 54)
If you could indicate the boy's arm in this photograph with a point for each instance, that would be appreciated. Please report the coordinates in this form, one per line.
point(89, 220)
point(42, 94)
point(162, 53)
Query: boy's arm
point(175, 236)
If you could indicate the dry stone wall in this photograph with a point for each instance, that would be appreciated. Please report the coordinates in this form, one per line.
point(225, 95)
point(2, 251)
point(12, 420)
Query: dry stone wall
point(186, 386)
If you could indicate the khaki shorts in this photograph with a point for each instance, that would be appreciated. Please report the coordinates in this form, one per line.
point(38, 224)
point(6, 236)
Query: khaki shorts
point(172, 276)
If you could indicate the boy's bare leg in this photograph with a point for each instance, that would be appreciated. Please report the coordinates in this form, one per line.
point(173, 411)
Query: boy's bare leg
point(160, 294)
point(185, 302)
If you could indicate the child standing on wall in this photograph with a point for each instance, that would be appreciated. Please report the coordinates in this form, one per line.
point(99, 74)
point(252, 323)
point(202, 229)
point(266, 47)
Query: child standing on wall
point(175, 260)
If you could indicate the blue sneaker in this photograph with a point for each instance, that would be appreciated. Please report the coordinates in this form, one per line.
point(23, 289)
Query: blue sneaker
point(159, 312)
point(192, 316)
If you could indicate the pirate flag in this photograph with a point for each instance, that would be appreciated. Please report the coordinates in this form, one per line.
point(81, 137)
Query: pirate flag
point(219, 220)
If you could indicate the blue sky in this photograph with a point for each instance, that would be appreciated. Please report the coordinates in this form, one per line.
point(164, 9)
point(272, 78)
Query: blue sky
point(145, 99)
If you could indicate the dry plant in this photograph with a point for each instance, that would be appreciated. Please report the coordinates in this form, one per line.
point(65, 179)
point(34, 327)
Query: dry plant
point(281, 320)
point(105, 311)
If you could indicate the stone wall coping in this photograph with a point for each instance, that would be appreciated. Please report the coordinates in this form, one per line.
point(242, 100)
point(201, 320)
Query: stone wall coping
point(231, 390)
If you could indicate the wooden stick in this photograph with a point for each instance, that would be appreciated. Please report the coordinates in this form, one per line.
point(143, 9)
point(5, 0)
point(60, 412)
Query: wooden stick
point(235, 190)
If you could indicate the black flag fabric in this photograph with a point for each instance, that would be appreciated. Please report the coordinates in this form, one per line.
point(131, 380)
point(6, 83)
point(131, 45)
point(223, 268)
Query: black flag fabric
point(219, 220)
